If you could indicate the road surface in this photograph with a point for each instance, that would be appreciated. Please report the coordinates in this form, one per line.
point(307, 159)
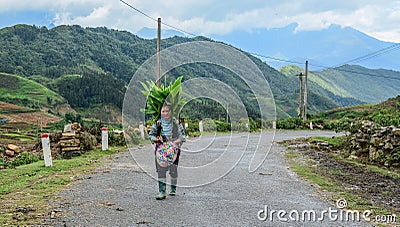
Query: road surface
point(122, 193)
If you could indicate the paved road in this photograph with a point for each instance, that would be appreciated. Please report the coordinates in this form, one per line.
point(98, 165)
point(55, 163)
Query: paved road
point(122, 193)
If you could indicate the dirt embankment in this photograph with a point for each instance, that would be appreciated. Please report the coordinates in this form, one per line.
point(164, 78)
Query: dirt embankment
point(381, 190)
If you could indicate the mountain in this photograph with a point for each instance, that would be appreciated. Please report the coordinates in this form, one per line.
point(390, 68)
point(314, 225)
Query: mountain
point(350, 85)
point(330, 47)
point(333, 46)
point(90, 67)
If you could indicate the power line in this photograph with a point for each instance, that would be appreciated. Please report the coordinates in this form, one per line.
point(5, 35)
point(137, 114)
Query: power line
point(139, 11)
point(179, 29)
point(377, 53)
point(146, 15)
point(327, 68)
point(385, 50)
point(276, 59)
point(366, 74)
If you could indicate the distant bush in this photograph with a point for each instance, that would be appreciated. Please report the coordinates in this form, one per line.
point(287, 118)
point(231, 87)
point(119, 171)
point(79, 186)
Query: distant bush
point(24, 159)
point(290, 123)
point(193, 127)
point(223, 126)
point(118, 139)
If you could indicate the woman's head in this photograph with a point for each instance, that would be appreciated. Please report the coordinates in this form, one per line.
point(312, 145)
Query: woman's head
point(166, 111)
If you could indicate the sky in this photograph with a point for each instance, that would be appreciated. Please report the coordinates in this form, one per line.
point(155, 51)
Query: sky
point(377, 18)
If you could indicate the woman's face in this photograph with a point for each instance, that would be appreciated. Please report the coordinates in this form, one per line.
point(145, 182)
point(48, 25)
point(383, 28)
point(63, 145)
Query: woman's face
point(166, 112)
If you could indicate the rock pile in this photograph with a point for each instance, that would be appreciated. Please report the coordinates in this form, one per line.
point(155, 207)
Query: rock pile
point(9, 153)
point(376, 144)
point(12, 150)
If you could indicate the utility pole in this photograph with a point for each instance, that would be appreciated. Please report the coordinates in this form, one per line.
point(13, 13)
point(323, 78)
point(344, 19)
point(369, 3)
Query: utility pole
point(227, 113)
point(158, 52)
point(299, 112)
point(305, 94)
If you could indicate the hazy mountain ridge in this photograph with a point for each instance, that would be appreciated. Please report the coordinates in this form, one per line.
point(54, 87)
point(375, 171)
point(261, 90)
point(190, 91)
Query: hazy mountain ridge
point(330, 47)
point(45, 54)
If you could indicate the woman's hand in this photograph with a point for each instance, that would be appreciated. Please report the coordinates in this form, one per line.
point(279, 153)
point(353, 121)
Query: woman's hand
point(158, 139)
point(177, 142)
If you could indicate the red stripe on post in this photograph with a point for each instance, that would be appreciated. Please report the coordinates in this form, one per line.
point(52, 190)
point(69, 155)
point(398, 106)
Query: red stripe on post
point(103, 129)
point(45, 135)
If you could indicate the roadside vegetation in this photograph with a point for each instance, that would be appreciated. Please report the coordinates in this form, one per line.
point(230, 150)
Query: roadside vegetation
point(365, 174)
point(26, 190)
point(27, 185)
point(348, 119)
point(362, 186)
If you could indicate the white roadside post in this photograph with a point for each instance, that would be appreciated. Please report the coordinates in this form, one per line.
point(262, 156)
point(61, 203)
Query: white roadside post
point(104, 139)
point(201, 126)
point(274, 124)
point(141, 129)
point(46, 150)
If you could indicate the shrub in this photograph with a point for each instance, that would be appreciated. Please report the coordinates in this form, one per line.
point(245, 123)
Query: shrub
point(24, 159)
point(289, 123)
point(118, 139)
point(193, 128)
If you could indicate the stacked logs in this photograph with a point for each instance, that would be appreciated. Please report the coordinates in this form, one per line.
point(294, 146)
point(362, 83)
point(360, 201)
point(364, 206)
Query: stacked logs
point(69, 141)
point(70, 144)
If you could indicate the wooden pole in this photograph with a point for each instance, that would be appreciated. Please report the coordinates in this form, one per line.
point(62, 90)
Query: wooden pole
point(305, 94)
point(227, 113)
point(301, 96)
point(158, 52)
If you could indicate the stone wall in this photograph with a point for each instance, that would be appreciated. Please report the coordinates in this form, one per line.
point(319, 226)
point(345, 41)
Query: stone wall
point(376, 144)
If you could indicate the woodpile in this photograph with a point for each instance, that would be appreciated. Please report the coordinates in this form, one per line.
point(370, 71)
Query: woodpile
point(376, 144)
point(70, 144)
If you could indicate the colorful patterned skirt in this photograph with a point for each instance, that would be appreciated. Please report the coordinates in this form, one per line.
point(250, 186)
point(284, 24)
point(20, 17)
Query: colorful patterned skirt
point(166, 153)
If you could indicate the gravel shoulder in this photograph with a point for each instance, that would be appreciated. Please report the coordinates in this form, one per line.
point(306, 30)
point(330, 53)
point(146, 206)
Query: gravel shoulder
point(122, 194)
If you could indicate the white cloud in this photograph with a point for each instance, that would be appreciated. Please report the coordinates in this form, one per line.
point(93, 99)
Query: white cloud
point(379, 18)
point(97, 17)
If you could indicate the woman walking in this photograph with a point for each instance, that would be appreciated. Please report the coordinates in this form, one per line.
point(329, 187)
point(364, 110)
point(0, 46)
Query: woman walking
point(168, 135)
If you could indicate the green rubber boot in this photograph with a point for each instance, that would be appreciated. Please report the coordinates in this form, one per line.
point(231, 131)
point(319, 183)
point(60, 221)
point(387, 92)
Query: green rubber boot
point(174, 182)
point(161, 188)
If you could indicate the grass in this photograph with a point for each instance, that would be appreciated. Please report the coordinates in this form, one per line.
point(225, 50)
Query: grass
point(20, 137)
point(26, 190)
point(27, 92)
point(303, 169)
point(382, 171)
point(337, 142)
point(373, 168)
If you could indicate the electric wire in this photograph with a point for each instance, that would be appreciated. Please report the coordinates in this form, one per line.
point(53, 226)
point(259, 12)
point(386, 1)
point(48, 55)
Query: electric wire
point(137, 10)
point(374, 54)
point(146, 15)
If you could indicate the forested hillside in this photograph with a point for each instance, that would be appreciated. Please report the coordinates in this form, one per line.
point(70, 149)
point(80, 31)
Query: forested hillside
point(25, 92)
point(92, 66)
